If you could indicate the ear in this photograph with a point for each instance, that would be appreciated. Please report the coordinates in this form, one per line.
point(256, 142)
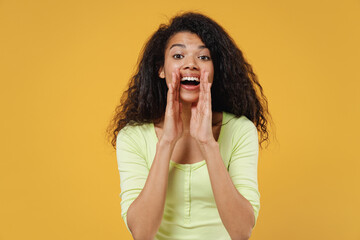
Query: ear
point(161, 72)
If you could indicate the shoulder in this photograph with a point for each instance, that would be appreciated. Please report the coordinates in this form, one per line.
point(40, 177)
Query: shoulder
point(242, 134)
point(238, 124)
point(239, 130)
point(134, 132)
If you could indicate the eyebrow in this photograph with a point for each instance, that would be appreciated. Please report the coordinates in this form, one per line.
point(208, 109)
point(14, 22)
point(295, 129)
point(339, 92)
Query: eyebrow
point(183, 46)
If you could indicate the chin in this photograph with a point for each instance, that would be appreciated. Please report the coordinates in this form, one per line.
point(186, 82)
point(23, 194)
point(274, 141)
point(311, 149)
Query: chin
point(189, 98)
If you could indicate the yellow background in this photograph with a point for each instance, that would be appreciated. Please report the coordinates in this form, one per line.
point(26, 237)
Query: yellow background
point(64, 65)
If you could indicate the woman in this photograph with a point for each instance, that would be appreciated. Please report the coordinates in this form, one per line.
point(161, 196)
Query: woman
point(186, 136)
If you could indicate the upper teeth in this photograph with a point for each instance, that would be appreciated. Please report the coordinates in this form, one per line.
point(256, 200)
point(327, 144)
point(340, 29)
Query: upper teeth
point(190, 79)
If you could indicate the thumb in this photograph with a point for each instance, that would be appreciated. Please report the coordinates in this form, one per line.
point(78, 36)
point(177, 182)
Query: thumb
point(180, 108)
point(193, 108)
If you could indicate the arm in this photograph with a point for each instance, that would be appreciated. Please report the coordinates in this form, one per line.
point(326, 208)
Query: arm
point(143, 190)
point(145, 213)
point(233, 190)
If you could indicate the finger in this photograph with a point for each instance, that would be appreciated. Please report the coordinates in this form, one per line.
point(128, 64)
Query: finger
point(205, 98)
point(199, 102)
point(209, 95)
point(206, 81)
point(177, 84)
point(208, 98)
point(169, 104)
point(170, 94)
point(204, 90)
point(201, 93)
point(202, 80)
point(173, 82)
point(173, 77)
point(210, 84)
point(180, 111)
point(194, 110)
point(173, 88)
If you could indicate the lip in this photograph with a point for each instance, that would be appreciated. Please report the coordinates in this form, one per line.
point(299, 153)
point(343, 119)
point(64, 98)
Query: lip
point(190, 87)
point(190, 75)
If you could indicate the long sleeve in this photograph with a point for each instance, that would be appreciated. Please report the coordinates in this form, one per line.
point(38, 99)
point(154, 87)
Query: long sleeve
point(243, 164)
point(132, 168)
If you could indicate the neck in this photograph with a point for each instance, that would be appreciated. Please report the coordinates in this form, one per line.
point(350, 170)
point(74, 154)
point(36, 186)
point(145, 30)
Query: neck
point(186, 116)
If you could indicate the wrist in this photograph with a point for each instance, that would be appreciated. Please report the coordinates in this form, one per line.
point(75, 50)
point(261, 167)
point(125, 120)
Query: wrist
point(166, 143)
point(208, 146)
point(208, 143)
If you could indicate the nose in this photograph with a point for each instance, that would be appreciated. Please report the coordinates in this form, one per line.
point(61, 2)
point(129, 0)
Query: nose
point(190, 63)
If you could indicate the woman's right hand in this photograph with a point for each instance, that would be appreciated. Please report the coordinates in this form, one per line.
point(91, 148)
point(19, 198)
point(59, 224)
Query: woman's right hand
point(173, 126)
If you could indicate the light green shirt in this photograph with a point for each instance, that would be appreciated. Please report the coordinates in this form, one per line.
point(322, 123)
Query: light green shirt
point(190, 210)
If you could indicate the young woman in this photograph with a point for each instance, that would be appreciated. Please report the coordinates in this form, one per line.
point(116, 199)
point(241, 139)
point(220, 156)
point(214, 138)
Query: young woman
point(186, 136)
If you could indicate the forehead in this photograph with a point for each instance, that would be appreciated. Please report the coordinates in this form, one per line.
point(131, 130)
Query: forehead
point(185, 38)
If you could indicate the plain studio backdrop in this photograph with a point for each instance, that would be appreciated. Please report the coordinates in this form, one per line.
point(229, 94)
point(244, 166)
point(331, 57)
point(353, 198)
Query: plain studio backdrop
point(65, 64)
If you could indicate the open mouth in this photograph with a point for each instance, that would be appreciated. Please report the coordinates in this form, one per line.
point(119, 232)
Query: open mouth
point(190, 81)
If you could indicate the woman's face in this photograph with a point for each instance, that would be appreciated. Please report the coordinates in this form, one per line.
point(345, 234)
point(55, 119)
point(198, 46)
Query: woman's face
point(185, 51)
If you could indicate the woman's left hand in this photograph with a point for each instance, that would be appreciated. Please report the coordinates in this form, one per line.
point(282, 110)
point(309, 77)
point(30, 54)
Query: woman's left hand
point(201, 114)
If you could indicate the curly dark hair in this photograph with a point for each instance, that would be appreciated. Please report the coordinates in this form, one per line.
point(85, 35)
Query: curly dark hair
point(234, 88)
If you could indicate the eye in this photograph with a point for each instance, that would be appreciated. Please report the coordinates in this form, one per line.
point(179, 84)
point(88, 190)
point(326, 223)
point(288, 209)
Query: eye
point(178, 56)
point(206, 58)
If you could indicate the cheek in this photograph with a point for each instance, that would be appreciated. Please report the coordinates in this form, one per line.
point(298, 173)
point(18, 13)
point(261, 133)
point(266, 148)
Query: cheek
point(170, 68)
point(172, 63)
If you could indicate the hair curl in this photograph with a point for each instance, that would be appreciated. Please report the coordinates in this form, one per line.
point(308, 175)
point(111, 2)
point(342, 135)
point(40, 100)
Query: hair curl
point(234, 88)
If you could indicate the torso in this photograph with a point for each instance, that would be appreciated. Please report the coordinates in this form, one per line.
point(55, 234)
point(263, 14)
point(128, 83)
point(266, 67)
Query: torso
point(186, 150)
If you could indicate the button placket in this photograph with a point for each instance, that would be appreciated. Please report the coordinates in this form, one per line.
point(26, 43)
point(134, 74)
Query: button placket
point(187, 194)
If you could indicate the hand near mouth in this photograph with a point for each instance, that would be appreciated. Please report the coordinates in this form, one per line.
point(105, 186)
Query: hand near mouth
point(201, 114)
point(173, 126)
